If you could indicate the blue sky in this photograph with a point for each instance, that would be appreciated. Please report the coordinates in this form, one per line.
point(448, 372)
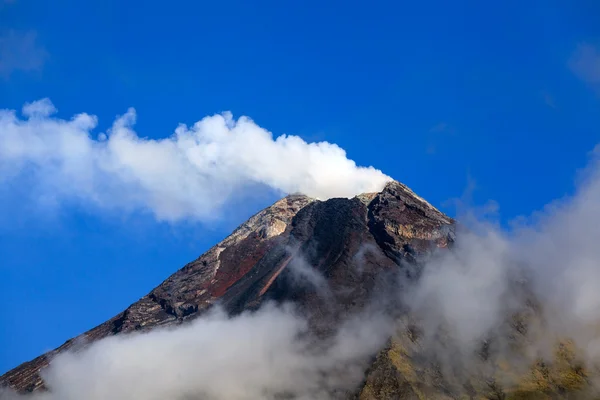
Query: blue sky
point(434, 94)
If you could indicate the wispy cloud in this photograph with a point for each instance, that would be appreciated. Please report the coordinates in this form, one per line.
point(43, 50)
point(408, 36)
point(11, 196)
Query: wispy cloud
point(20, 51)
point(585, 63)
point(549, 99)
point(436, 134)
point(441, 127)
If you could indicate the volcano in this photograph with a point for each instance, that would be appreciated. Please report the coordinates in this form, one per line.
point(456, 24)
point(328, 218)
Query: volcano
point(357, 245)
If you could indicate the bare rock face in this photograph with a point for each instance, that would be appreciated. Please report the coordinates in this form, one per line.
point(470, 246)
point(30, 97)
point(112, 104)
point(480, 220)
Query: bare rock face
point(354, 244)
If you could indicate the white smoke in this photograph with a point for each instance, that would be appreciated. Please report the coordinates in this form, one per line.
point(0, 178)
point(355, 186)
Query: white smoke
point(253, 356)
point(470, 291)
point(464, 288)
point(191, 174)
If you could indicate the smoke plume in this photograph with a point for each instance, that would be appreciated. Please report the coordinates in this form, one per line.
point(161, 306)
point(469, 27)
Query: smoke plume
point(191, 174)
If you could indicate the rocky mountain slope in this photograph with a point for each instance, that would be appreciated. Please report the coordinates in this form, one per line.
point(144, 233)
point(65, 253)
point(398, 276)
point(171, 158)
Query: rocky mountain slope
point(357, 245)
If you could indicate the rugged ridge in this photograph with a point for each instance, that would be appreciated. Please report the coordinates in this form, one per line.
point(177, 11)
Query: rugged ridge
point(379, 231)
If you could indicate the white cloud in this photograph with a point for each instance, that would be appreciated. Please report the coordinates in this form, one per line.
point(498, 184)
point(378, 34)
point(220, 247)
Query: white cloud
point(252, 356)
point(41, 109)
point(20, 51)
point(585, 63)
point(190, 174)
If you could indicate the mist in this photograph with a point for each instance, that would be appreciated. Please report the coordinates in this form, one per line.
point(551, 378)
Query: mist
point(543, 270)
point(268, 354)
point(189, 174)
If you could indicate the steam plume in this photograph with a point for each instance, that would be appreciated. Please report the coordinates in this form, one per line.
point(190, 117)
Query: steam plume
point(189, 175)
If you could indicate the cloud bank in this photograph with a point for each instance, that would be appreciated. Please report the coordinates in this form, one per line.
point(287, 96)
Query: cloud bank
point(191, 174)
point(268, 354)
